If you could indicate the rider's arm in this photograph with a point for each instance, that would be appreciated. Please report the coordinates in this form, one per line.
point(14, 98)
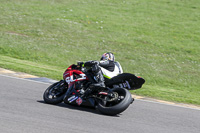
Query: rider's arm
point(109, 65)
point(104, 63)
point(90, 63)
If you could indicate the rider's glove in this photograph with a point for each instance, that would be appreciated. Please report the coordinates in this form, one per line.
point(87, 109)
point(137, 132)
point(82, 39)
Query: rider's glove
point(80, 63)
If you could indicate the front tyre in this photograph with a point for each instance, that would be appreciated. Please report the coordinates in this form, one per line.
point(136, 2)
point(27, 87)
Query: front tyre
point(55, 93)
point(123, 100)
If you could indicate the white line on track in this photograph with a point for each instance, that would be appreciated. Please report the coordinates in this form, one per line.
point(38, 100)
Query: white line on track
point(25, 79)
point(175, 105)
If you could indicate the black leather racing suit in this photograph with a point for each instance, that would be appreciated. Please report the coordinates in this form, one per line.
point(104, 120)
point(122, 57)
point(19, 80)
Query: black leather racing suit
point(96, 71)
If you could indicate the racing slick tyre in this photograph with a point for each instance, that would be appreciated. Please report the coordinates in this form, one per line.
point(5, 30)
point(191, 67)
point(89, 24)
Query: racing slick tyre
point(55, 93)
point(114, 107)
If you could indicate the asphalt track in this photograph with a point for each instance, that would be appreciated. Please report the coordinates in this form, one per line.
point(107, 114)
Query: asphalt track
point(22, 110)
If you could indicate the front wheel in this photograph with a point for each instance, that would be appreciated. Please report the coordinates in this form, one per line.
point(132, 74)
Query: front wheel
point(55, 93)
point(116, 105)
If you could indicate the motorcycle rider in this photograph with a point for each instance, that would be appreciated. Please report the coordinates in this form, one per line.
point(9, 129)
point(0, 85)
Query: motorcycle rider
point(105, 69)
point(109, 66)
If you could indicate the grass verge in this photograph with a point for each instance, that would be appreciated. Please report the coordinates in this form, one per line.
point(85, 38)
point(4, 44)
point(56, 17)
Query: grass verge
point(157, 40)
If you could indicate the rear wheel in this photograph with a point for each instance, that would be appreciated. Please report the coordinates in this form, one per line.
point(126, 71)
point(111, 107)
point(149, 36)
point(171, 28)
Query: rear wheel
point(117, 104)
point(55, 93)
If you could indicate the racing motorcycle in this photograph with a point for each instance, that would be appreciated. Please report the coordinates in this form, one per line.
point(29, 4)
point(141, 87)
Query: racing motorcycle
point(75, 88)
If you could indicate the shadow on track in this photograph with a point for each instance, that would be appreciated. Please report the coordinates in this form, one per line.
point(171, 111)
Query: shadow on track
point(76, 107)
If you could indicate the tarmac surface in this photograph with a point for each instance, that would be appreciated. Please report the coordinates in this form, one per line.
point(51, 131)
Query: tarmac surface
point(22, 110)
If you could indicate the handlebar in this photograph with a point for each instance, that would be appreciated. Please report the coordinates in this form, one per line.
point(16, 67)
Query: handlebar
point(91, 64)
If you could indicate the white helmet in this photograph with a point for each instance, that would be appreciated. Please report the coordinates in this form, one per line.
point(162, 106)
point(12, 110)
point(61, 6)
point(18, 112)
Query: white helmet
point(108, 56)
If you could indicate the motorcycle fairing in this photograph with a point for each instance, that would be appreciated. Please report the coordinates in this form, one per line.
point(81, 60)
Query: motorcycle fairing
point(125, 80)
point(71, 76)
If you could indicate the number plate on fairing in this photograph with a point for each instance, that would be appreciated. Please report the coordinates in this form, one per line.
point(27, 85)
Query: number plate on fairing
point(123, 85)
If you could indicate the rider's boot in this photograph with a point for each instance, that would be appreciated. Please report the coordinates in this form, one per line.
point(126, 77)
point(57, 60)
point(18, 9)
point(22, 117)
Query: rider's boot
point(97, 85)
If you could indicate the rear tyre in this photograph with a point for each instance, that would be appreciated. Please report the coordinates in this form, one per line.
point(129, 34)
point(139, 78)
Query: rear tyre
point(115, 107)
point(55, 93)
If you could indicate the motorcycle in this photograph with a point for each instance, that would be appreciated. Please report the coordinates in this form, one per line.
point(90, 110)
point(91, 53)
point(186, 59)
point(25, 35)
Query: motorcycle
point(75, 88)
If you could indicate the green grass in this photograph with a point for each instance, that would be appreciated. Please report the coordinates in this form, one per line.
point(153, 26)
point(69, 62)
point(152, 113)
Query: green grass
point(156, 39)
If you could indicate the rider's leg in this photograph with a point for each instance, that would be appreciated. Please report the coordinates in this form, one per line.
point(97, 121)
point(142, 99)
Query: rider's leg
point(98, 77)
